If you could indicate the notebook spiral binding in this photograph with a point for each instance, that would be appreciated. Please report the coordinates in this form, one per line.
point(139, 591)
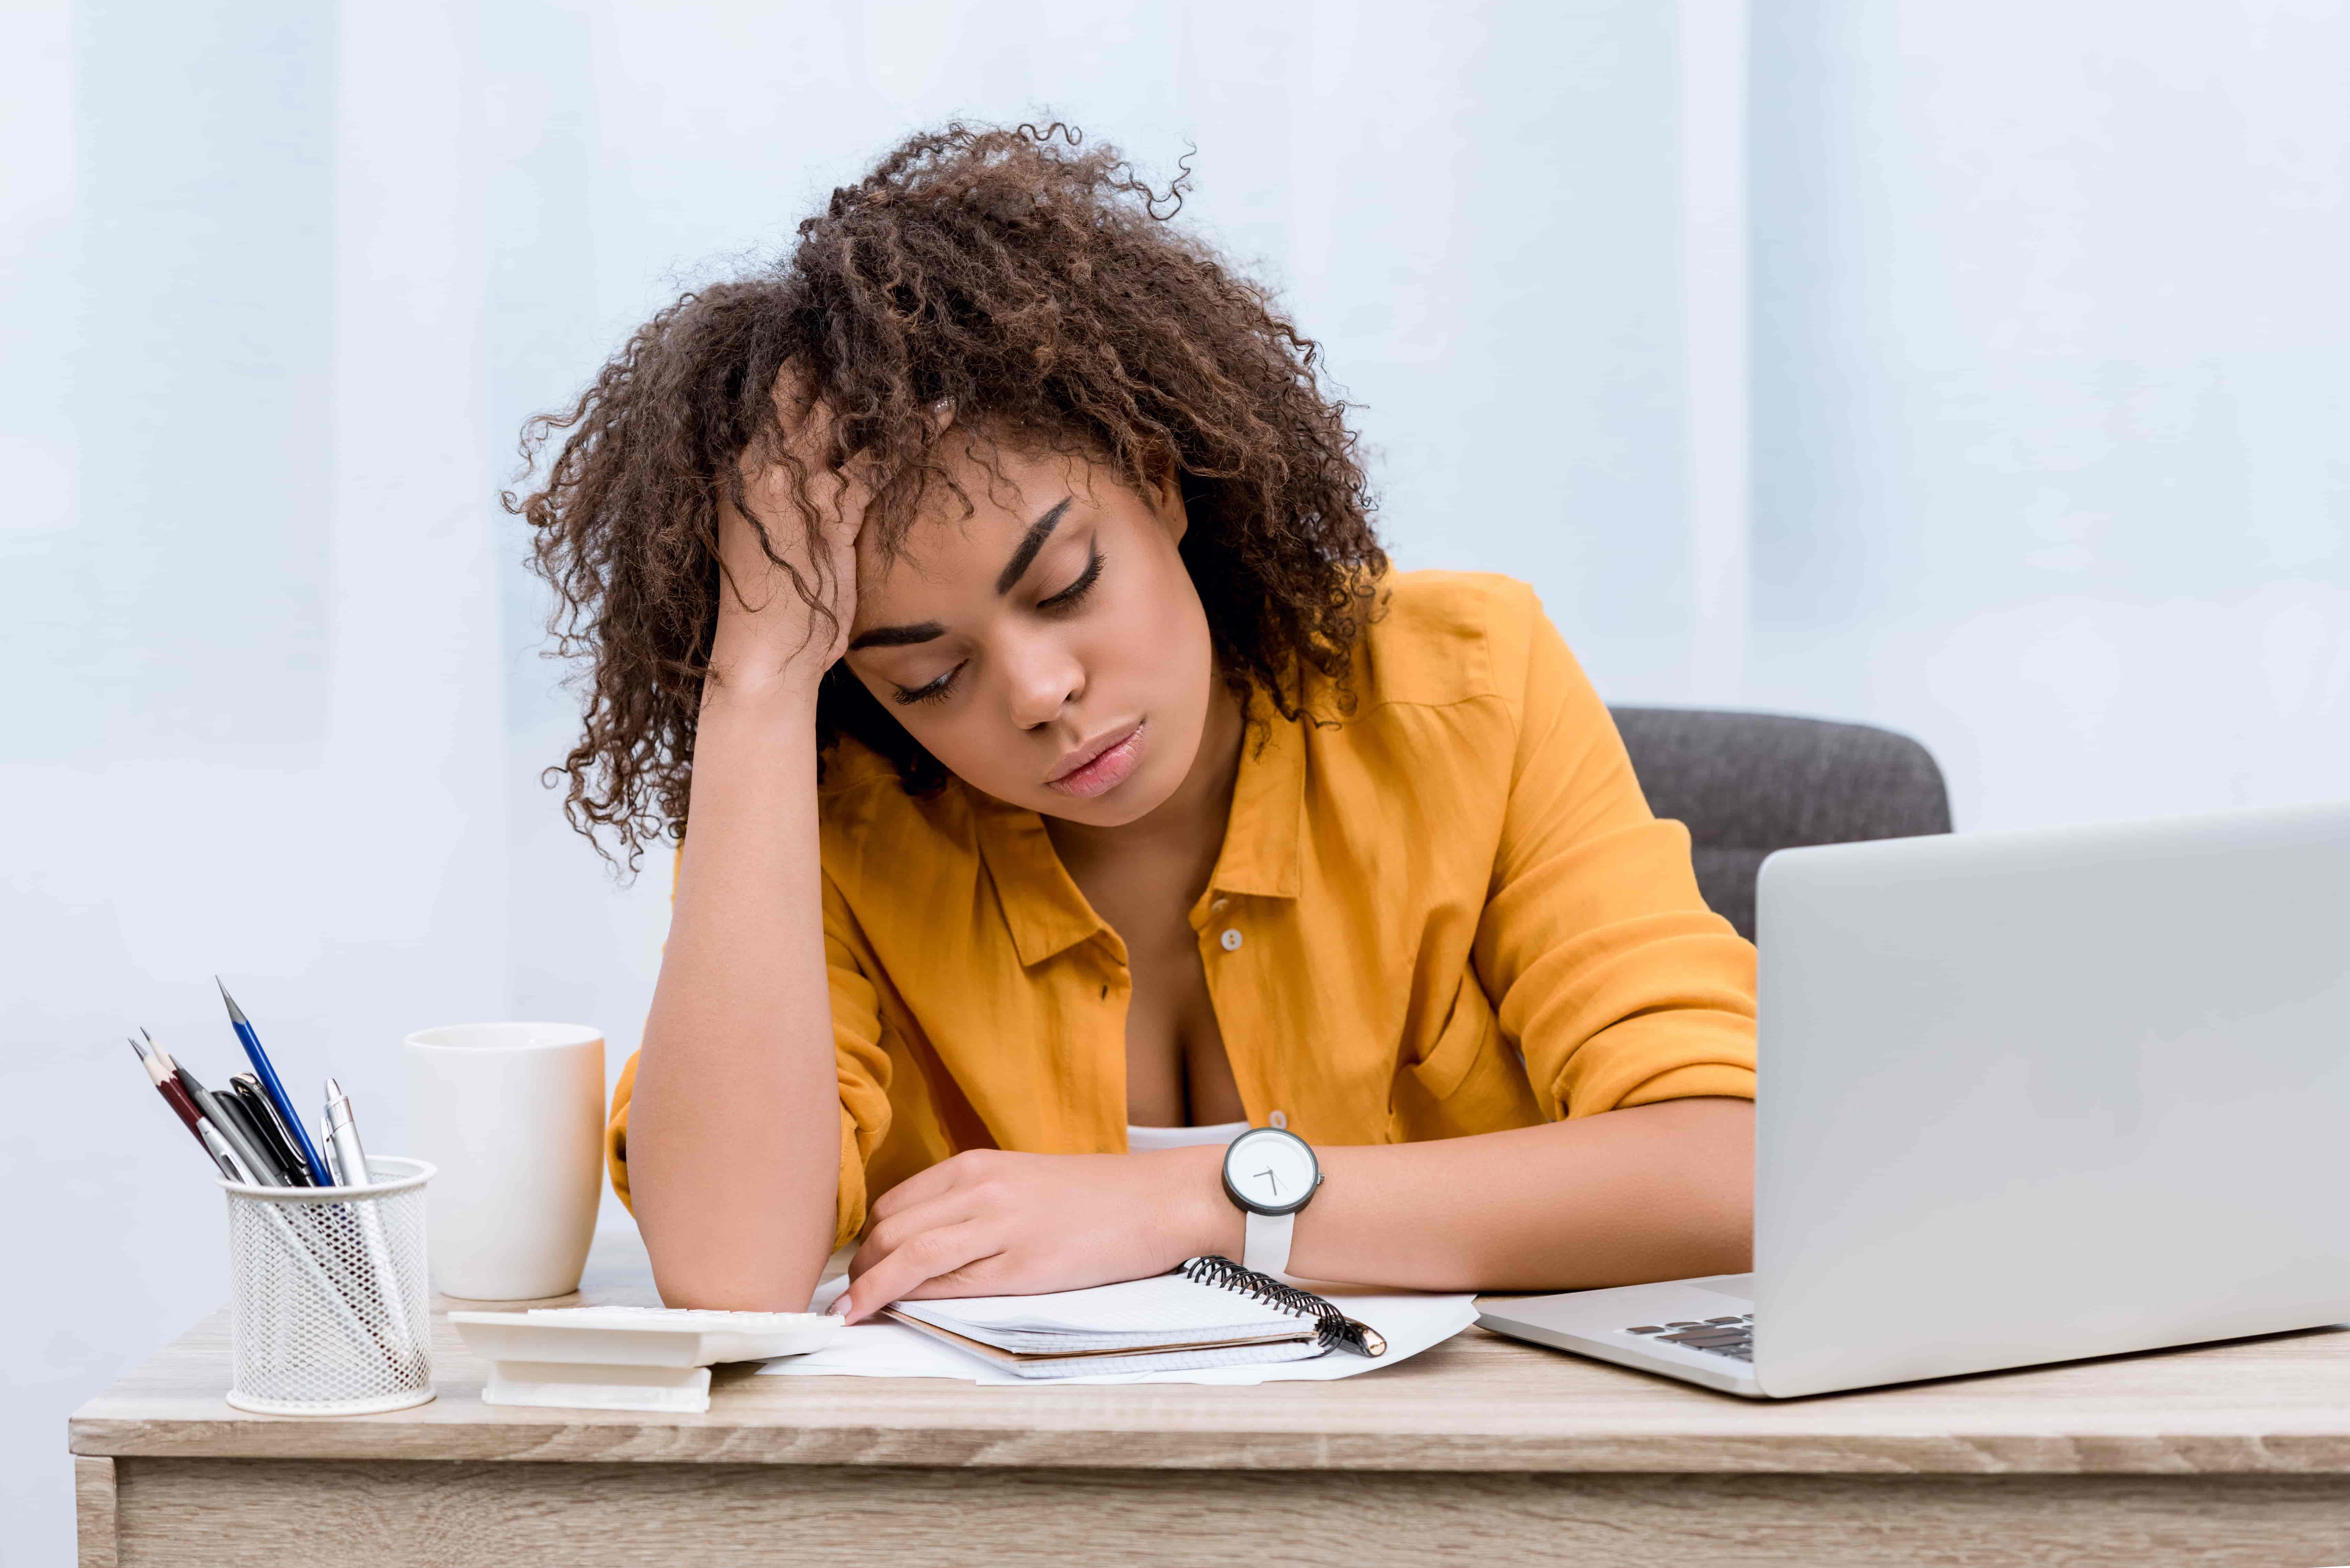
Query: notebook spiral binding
point(1331, 1326)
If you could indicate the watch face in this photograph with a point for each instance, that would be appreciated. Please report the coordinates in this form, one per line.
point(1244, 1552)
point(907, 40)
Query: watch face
point(1270, 1171)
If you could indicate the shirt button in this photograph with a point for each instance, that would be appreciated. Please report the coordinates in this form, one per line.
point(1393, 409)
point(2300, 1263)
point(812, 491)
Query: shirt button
point(1231, 940)
point(1218, 906)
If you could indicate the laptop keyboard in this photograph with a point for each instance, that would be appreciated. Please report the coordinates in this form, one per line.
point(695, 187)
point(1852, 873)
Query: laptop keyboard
point(1729, 1336)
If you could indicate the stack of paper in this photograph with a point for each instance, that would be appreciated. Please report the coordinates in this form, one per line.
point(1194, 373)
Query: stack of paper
point(624, 1357)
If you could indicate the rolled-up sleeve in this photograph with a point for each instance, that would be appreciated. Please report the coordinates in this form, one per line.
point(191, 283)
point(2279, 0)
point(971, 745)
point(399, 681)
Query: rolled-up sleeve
point(861, 1059)
point(1616, 983)
point(861, 1066)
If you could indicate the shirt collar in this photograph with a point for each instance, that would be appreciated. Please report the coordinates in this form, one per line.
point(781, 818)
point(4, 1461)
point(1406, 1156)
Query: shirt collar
point(1260, 853)
point(1040, 902)
point(1042, 906)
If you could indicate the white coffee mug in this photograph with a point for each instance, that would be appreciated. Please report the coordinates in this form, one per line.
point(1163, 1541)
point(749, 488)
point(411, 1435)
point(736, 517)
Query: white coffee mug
point(513, 1115)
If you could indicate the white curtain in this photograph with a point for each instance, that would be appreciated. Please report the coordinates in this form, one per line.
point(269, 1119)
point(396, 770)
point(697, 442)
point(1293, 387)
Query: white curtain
point(1976, 371)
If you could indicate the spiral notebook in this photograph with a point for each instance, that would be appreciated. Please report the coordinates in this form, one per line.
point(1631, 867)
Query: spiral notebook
point(1209, 1313)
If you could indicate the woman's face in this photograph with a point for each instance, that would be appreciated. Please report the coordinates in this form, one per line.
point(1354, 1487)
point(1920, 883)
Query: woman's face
point(1050, 649)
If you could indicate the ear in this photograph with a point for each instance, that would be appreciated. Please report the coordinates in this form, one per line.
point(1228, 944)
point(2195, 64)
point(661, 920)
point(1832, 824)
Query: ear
point(1165, 496)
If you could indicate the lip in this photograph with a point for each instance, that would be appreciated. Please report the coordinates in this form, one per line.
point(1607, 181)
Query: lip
point(1100, 764)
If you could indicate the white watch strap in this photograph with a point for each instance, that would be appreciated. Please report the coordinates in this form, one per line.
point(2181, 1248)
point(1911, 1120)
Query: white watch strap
point(1265, 1246)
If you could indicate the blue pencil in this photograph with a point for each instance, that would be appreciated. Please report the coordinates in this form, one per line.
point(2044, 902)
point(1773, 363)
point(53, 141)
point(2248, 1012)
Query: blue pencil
point(269, 1083)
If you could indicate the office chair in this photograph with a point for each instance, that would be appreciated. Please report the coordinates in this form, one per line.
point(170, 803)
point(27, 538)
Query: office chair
point(1747, 784)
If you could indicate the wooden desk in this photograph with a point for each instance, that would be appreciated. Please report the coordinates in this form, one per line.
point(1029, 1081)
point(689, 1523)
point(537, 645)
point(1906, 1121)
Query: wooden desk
point(1482, 1450)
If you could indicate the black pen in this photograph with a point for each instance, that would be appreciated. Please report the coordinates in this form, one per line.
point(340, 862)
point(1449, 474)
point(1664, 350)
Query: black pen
point(239, 1141)
point(264, 1117)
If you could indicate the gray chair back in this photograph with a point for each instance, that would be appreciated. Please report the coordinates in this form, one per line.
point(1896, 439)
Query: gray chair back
point(1747, 784)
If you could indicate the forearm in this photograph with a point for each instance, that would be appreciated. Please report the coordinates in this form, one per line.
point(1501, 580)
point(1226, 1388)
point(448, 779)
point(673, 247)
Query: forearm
point(734, 1126)
point(1655, 1192)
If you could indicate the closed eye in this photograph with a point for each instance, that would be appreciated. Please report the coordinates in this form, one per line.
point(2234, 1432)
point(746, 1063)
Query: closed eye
point(1068, 598)
point(1074, 595)
point(934, 692)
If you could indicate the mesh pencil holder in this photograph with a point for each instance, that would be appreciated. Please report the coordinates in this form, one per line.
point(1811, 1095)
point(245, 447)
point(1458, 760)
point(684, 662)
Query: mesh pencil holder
point(328, 1308)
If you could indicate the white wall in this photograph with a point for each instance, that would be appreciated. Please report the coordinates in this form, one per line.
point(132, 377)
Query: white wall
point(2047, 390)
point(249, 625)
point(2052, 391)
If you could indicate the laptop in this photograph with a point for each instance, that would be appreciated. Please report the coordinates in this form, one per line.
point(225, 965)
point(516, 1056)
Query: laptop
point(2025, 1097)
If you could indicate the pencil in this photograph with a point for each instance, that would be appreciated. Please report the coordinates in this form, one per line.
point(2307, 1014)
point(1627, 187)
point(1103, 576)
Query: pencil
point(175, 1095)
point(274, 1091)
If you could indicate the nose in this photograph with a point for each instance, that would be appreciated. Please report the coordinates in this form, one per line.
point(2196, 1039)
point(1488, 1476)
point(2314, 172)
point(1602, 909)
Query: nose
point(1043, 677)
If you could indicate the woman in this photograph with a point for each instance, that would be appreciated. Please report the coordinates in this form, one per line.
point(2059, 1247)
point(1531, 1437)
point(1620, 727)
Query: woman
point(986, 597)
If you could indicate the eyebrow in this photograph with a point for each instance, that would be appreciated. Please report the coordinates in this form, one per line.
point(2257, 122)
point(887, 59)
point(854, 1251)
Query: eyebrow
point(1022, 557)
point(897, 635)
point(1030, 543)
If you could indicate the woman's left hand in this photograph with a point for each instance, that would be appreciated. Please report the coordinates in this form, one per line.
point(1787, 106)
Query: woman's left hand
point(992, 1222)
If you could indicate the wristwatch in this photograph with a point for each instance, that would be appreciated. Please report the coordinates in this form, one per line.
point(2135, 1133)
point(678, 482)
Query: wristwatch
point(1271, 1175)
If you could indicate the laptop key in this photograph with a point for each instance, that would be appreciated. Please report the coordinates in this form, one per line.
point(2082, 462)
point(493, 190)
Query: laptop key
point(1730, 1337)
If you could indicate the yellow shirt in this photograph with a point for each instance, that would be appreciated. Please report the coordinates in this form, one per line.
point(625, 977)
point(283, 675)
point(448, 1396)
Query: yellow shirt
point(1450, 912)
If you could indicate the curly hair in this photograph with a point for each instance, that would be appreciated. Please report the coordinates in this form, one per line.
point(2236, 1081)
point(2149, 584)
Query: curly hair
point(1034, 288)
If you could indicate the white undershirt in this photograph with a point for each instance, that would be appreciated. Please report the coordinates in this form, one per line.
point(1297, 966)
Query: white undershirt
point(1142, 1140)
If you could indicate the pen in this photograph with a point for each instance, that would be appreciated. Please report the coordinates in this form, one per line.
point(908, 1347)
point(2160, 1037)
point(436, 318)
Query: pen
point(229, 1114)
point(223, 1154)
point(345, 1153)
point(264, 1116)
point(276, 1091)
point(343, 1146)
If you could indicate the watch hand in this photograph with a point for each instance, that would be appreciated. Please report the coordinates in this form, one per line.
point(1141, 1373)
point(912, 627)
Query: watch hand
point(1274, 1179)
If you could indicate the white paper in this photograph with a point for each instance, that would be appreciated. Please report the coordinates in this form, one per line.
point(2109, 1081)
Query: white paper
point(1410, 1322)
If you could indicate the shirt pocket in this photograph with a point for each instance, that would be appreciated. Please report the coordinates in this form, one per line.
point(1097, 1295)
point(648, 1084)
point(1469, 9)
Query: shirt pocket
point(1469, 1080)
point(1470, 1030)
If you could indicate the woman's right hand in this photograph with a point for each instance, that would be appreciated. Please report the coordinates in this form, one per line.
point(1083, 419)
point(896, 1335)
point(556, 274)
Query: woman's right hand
point(767, 632)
